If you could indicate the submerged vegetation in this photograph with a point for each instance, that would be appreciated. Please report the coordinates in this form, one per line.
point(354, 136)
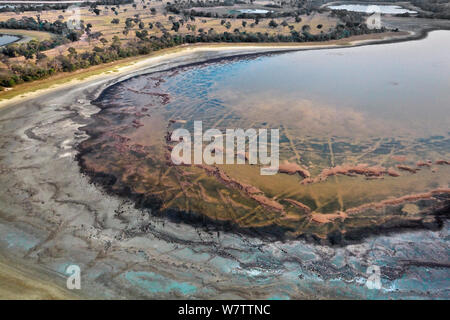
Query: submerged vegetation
point(331, 190)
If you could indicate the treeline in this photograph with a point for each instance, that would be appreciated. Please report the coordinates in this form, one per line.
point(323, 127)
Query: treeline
point(440, 9)
point(33, 48)
point(183, 8)
point(180, 4)
point(205, 4)
point(349, 18)
point(30, 23)
point(33, 7)
point(30, 71)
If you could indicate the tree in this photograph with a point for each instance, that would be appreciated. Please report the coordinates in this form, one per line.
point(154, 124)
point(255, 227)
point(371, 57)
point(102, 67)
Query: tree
point(142, 35)
point(72, 52)
point(115, 43)
point(175, 26)
point(273, 24)
point(40, 56)
point(129, 23)
point(28, 55)
point(73, 36)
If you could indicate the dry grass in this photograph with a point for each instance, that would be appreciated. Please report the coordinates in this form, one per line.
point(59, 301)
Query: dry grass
point(102, 23)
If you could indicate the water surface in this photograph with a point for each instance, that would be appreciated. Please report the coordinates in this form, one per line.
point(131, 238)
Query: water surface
point(7, 39)
point(254, 11)
point(370, 8)
point(369, 126)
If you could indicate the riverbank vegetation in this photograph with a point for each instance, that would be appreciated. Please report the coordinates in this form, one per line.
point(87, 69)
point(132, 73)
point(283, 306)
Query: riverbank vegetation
point(106, 33)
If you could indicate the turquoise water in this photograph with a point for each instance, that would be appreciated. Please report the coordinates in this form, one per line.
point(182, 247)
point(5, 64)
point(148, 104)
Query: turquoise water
point(156, 283)
point(22, 241)
point(15, 239)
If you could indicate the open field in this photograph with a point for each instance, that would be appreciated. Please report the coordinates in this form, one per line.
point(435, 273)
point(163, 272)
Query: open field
point(102, 23)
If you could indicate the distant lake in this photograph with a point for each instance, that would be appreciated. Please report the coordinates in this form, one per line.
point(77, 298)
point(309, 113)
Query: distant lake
point(369, 8)
point(7, 39)
point(250, 11)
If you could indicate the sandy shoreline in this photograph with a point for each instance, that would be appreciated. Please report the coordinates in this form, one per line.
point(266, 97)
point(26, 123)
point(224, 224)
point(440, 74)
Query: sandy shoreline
point(167, 55)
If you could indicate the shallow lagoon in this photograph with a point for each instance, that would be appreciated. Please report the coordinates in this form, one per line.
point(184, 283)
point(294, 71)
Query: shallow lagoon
point(384, 107)
point(402, 87)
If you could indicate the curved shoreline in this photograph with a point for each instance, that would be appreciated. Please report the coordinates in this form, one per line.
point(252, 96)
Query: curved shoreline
point(276, 232)
point(166, 55)
point(19, 38)
point(170, 53)
point(230, 260)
